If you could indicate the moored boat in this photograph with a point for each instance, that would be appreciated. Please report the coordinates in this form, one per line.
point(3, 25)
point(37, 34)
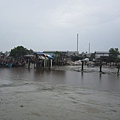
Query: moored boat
point(9, 65)
point(18, 65)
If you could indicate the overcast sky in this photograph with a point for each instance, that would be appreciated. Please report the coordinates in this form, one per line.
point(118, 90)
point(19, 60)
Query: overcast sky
point(54, 24)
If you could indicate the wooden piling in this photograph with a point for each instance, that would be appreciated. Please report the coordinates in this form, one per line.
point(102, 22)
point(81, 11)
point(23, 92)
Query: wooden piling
point(118, 70)
point(118, 67)
point(100, 66)
point(28, 63)
point(51, 63)
point(82, 66)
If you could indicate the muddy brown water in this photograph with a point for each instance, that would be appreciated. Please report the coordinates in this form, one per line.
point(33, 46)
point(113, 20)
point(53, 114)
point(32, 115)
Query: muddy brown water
point(92, 80)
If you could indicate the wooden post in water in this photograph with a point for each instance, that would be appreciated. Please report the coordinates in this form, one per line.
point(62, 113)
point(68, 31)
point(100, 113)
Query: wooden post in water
point(51, 63)
point(82, 66)
point(37, 63)
point(48, 63)
point(28, 63)
point(34, 65)
point(118, 68)
point(100, 66)
point(44, 64)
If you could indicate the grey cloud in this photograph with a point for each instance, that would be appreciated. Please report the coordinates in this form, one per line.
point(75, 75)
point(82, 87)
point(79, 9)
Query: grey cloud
point(54, 24)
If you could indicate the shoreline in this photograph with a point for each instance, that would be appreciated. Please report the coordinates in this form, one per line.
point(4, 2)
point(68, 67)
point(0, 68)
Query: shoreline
point(25, 100)
point(105, 70)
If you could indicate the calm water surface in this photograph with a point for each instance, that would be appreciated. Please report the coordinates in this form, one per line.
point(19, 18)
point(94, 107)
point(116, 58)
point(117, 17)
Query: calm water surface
point(109, 82)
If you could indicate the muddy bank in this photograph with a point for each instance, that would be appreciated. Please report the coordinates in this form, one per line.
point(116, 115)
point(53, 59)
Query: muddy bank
point(23, 100)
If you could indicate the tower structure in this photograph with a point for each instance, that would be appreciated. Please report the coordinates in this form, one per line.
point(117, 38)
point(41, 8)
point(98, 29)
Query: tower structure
point(77, 43)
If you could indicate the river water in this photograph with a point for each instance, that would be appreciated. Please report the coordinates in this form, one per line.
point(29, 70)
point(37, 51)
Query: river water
point(92, 80)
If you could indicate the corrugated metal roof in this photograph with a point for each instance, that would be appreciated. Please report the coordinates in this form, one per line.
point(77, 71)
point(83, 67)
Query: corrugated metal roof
point(44, 54)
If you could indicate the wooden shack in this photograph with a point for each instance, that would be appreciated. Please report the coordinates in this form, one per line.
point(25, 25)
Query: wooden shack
point(43, 60)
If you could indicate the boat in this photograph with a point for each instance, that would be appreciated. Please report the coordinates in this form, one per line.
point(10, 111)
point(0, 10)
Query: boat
point(9, 65)
point(18, 64)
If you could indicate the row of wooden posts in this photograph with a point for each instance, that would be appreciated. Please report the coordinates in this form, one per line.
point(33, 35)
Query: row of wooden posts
point(43, 64)
point(82, 68)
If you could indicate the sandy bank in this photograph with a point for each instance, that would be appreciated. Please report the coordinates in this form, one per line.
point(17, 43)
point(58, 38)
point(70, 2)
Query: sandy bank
point(23, 100)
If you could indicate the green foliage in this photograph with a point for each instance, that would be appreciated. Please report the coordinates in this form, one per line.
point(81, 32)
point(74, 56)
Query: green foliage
point(57, 54)
point(113, 54)
point(18, 52)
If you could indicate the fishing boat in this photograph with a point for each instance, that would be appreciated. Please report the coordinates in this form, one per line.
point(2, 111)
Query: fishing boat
point(18, 64)
point(9, 65)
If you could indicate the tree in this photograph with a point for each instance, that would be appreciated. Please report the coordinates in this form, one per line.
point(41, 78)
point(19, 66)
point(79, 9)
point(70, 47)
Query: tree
point(31, 51)
point(18, 52)
point(113, 54)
